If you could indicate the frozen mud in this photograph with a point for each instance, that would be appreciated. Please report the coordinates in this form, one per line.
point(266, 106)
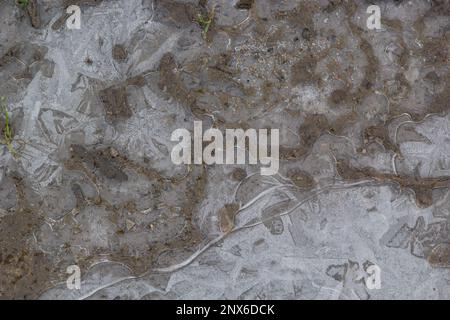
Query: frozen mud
point(364, 174)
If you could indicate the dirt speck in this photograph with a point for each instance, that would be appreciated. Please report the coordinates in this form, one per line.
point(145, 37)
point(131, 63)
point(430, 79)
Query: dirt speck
point(119, 53)
point(244, 4)
point(338, 96)
point(303, 71)
point(422, 187)
point(33, 13)
point(238, 174)
point(115, 102)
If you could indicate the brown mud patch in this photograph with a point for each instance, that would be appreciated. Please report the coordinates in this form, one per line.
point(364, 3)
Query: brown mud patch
point(226, 217)
point(32, 10)
point(380, 134)
point(138, 81)
point(422, 187)
point(239, 174)
point(301, 178)
point(182, 245)
point(439, 257)
point(178, 13)
point(119, 53)
point(170, 80)
point(82, 2)
point(25, 272)
point(110, 163)
point(310, 130)
point(244, 4)
point(301, 16)
point(60, 22)
point(430, 242)
point(99, 161)
point(115, 102)
point(24, 61)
